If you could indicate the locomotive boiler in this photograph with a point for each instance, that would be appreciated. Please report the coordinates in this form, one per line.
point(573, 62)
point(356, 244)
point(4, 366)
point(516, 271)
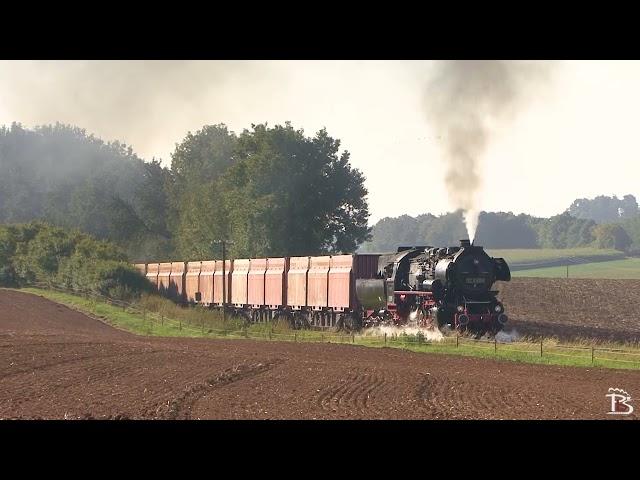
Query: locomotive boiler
point(437, 287)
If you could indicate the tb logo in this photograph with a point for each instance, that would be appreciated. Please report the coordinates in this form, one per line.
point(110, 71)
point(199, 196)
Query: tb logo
point(619, 399)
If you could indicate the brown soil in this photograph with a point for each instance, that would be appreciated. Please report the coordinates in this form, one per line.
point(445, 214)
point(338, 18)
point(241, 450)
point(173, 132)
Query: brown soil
point(57, 363)
point(573, 308)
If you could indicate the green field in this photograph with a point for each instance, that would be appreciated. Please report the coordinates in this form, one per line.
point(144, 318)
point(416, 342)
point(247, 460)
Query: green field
point(531, 255)
point(149, 323)
point(622, 269)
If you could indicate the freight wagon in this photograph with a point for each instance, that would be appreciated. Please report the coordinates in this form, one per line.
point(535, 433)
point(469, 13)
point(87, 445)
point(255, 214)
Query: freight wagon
point(310, 291)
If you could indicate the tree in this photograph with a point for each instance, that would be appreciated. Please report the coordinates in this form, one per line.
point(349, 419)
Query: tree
point(289, 194)
point(63, 175)
point(612, 236)
point(43, 253)
point(197, 213)
point(505, 230)
point(632, 227)
point(604, 209)
point(389, 233)
point(152, 202)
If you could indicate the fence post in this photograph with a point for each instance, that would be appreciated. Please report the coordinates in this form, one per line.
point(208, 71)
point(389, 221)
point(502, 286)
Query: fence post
point(322, 337)
point(162, 319)
point(353, 337)
point(295, 337)
point(541, 348)
point(269, 334)
point(181, 324)
point(456, 339)
point(495, 345)
point(385, 339)
point(592, 355)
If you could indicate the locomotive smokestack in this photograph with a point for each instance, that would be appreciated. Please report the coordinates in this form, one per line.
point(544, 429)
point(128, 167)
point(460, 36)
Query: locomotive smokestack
point(465, 243)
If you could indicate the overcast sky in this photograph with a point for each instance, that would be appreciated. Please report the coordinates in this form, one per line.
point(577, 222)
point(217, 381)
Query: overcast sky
point(576, 134)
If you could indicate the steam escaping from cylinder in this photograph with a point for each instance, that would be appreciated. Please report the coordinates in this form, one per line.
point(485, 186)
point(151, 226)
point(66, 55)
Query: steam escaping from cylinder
point(466, 103)
point(429, 334)
point(508, 336)
point(412, 328)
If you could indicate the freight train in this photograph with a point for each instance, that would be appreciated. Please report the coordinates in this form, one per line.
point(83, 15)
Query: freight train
point(443, 288)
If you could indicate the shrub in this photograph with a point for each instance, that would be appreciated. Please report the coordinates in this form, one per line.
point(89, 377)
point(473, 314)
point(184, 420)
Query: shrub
point(38, 252)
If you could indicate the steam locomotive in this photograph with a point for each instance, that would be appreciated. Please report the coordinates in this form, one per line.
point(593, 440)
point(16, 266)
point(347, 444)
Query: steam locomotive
point(438, 288)
point(424, 286)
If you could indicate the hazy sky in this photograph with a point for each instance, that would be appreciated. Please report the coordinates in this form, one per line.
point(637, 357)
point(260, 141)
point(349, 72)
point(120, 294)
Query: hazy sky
point(576, 132)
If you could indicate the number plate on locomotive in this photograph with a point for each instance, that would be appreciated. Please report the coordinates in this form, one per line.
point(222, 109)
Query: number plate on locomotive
point(474, 280)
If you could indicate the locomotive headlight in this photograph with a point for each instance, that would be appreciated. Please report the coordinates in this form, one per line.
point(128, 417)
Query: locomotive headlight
point(498, 308)
point(460, 308)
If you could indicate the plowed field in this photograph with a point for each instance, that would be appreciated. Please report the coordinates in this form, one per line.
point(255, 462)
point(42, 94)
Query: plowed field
point(573, 308)
point(57, 363)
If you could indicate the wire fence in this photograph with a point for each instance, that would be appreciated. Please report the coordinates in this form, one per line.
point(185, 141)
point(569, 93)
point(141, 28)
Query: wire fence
point(585, 354)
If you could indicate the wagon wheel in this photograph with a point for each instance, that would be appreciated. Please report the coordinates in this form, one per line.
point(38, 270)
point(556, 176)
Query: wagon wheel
point(349, 323)
point(246, 317)
point(283, 318)
point(300, 322)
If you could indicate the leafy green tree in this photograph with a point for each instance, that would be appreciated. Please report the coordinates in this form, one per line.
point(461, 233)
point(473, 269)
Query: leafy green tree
point(197, 213)
point(612, 236)
point(390, 233)
point(43, 253)
point(289, 194)
point(505, 230)
point(632, 227)
point(564, 231)
point(603, 209)
point(8, 243)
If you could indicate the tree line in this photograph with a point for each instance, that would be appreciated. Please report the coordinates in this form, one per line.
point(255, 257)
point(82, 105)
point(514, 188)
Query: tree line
point(62, 175)
point(505, 230)
point(271, 190)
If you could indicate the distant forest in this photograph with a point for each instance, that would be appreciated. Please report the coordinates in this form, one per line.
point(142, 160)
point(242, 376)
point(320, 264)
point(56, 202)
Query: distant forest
point(603, 222)
point(272, 190)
